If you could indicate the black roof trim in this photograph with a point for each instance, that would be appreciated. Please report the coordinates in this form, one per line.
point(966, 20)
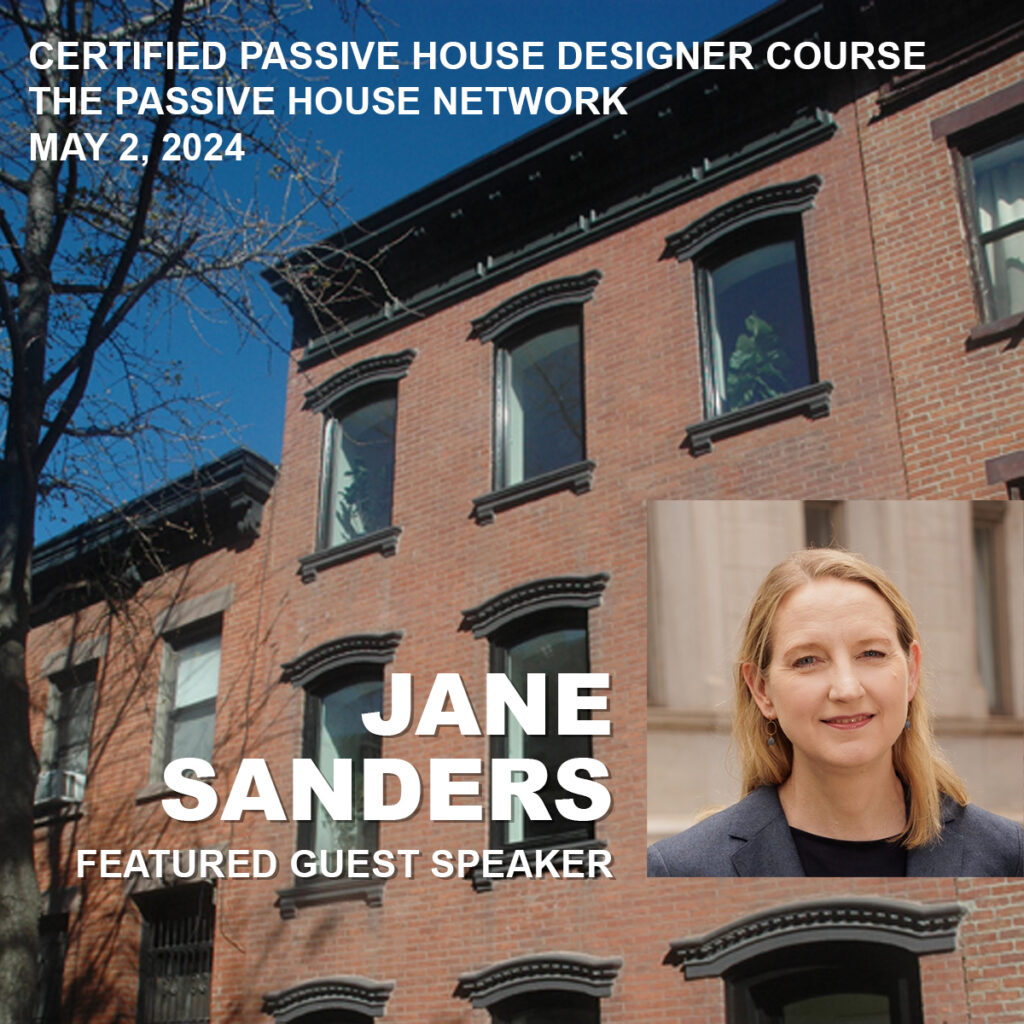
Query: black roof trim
point(219, 504)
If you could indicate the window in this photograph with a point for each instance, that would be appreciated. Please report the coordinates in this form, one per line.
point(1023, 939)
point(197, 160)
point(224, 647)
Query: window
point(538, 399)
point(542, 988)
point(540, 626)
point(755, 318)
point(65, 757)
point(342, 679)
point(839, 983)
point(995, 179)
point(360, 410)
point(191, 670)
point(176, 955)
point(757, 354)
point(549, 643)
point(334, 729)
point(359, 467)
point(847, 960)
point(539, 443)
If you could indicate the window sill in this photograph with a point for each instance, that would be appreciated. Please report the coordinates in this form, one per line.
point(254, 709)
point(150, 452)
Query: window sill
point(485, 883)
point(384, 541)
point(317, 892)
point(813, 401)
point(154, 791)
point(1011, 327)
point(53, 812)
point(578, 478)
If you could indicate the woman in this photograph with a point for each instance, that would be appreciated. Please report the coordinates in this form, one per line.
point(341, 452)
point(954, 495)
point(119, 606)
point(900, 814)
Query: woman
point(841, 774)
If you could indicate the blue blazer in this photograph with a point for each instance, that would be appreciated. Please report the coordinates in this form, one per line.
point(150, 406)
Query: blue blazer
point(752, 838)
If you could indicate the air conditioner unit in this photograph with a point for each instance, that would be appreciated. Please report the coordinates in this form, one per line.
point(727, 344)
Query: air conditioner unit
point(60, 787)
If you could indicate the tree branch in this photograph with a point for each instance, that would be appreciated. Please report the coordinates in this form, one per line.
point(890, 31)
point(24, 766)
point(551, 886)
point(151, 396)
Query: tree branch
point(12, 241)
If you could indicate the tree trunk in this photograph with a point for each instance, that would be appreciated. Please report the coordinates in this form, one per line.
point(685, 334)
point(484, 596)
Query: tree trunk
point(19, 893)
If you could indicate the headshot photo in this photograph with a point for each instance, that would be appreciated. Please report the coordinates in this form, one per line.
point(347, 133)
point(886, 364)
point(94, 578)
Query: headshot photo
point(835, 689)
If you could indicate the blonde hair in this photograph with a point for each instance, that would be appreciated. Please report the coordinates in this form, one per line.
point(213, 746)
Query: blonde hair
point(918, 762)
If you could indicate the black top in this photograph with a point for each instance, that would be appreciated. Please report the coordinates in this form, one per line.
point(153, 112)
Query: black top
point(827, 858)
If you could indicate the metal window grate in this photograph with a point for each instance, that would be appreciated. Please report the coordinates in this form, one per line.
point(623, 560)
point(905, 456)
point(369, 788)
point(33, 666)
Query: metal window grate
point(176, 958)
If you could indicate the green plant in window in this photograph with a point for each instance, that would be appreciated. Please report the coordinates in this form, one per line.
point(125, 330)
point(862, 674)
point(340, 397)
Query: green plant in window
point(758, 367)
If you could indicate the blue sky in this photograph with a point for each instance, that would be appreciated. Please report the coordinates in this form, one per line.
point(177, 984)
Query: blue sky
point(385, 158)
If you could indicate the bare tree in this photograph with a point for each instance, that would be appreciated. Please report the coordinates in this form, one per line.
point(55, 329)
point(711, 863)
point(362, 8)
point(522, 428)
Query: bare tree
point(88, 246)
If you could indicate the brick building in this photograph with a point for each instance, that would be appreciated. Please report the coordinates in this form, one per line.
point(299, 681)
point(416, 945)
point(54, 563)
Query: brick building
point(496, 374)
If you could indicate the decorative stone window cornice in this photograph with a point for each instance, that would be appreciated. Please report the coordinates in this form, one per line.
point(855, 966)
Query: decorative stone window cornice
point(916, 928)
point(565, 291)
point(376, 370)
point(775, 201)
point(539, 972)
point(535, 596)
point(343, 652)
point(352, 994)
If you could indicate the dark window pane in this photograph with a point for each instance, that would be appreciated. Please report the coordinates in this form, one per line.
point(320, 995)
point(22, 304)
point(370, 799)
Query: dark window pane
point(552, 652)
point(999, 195)
point(827, 983)
point(341, 734)
point(360, 471)
point(839, 1008)
point(548, 1008)
point(542, 427)
point(759, 344)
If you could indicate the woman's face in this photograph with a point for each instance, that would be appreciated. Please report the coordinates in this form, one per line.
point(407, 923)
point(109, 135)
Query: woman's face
point(839, 683)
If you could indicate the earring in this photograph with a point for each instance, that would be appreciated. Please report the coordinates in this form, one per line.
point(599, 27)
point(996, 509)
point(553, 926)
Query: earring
point(772, 728)
point(906, 724)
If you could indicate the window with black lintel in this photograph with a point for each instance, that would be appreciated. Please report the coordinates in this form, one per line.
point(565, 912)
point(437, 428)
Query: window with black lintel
point(845, 983)
point(996, 184)
point(757, 340)
point(549, 643)
point(538, 403)
point(758, 359)
point(334, 729)
point(359, 466)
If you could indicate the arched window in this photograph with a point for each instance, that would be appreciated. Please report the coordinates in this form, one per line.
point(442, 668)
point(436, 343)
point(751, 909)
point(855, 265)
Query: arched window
point(360, 410)
point(343, 679)
point(542, 988)
point(539, 627)
point(539, 418)
point(757, 351)
point(846, 961)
